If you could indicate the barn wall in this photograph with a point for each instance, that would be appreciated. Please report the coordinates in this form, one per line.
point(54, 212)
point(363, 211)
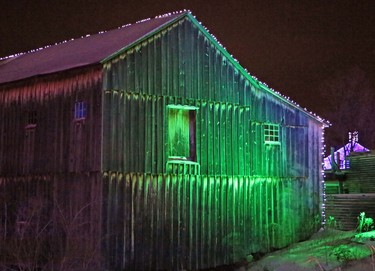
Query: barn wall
point(50, 178)
point(248, 197)
point(181, 66)
point(55, 143)
point(178, 222)
point(52, 222)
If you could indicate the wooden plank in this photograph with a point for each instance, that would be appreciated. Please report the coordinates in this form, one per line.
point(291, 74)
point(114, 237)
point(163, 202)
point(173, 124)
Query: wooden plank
point(212, 210)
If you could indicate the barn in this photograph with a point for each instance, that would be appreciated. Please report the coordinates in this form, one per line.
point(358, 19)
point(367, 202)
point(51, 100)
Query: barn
point(150, 147)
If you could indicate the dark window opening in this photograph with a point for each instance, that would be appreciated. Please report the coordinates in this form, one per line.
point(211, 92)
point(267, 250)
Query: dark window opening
point(31, 120)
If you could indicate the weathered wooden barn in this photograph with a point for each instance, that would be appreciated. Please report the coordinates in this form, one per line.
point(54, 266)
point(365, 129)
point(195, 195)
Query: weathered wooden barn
point(150, 147)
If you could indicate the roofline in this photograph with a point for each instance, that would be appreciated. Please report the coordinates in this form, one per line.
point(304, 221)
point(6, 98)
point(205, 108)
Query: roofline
point(143, 38)
point(236, 64)
point(251, 78)
point(23, 81)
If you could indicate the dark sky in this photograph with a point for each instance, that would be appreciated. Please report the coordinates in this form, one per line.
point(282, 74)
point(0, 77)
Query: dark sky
point(291, 45)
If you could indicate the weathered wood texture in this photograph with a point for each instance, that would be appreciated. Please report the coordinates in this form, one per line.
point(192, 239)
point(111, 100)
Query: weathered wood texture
point(55, 143)
point(360, 178)
point(247, 190)
point(53, 218)
point(345, 208)
point(178, 222)
point(182, 66)
point(249, 197)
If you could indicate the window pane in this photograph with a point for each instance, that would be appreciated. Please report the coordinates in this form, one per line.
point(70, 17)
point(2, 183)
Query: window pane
point(271, 133)
point(80, 110)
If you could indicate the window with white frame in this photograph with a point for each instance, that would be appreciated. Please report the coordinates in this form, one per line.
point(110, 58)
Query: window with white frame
point(271, 133)
point(181, 132)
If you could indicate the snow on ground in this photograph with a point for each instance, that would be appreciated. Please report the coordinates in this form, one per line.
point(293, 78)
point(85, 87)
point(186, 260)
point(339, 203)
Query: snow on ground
point(326, 250)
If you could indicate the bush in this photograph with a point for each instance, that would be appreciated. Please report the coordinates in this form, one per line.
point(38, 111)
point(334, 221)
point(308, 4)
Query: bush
point(364, 223)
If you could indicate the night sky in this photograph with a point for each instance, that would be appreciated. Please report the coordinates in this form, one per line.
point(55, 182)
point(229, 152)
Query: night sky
point(290, 45)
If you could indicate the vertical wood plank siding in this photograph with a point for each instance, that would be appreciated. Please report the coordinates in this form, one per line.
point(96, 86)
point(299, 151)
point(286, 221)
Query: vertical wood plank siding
point(58, 216)
point(180, 66)
point(179, 222)
point(250, 196)
point(59, 144)
point(50, 170)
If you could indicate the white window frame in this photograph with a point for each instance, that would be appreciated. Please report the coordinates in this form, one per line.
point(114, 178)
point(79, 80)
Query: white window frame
point(271, 133)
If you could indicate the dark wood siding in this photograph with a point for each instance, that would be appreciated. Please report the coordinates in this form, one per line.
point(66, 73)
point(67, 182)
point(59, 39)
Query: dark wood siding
point(51, 221)
point(360, 178)
point(56, 142)
point(345, 208)
point(50, 170)
point(358, 182)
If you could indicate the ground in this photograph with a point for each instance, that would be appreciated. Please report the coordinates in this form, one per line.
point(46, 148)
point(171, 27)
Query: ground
point(326, 250)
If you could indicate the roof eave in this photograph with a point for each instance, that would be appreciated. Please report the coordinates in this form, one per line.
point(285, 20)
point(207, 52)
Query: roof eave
point(246, 74)
point(143, 38)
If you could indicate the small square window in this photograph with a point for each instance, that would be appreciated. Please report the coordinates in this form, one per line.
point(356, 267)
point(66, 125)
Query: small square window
point(80, 110)
point(271, 134)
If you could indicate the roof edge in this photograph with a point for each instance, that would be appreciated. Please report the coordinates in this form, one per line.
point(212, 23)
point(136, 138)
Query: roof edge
point(144, 37)
point(23, 81)
point(222, 49)
point(253, 80)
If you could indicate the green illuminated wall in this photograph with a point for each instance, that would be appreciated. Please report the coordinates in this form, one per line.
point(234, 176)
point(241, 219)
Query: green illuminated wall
point(182, 66)
point(248, 197)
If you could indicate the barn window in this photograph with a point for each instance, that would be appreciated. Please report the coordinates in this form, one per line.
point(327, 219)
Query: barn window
point(271, 133)
point(31, 119)
point(80, 110)
point(181, 133)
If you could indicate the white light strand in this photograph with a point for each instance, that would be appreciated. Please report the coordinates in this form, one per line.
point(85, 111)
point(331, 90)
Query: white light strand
point(214, 37)
point(323, 184)
point(86, 36)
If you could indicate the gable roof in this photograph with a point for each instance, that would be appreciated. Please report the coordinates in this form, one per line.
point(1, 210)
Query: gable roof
point(103, 47)
point(79, 52)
